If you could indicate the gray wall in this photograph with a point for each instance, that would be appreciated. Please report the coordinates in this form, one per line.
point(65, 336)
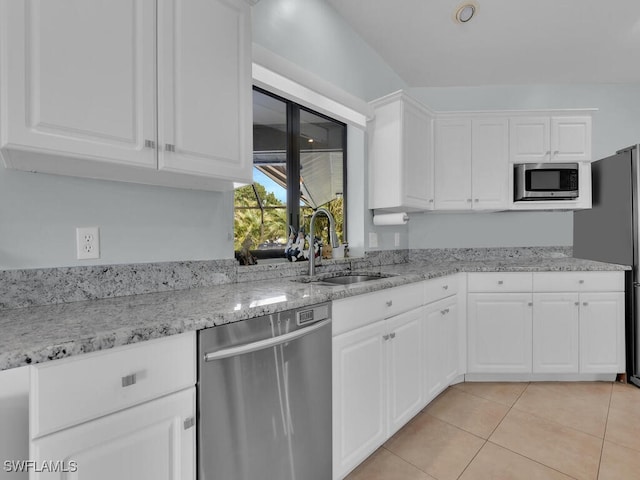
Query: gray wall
point(616, 124)
point(39, 212)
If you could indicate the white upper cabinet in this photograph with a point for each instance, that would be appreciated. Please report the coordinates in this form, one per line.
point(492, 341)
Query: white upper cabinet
point(471, 163)
point(400, 155)
point(79, 79)
point(205, 88)
point(453, 164)
point(145, 91)
point(539, 139)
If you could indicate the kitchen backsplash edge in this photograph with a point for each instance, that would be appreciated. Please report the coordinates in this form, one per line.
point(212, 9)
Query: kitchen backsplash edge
point(47, 286)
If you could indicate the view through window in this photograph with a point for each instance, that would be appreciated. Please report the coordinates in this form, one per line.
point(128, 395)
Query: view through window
point(299, 165)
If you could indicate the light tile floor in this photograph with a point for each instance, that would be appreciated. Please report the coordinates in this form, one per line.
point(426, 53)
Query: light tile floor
point(517, 431)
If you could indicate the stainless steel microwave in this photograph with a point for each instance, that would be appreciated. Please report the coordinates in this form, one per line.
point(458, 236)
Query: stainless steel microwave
point(545, 181)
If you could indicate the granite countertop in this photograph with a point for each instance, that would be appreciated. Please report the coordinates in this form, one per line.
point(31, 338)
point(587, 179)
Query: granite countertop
point(37, 334)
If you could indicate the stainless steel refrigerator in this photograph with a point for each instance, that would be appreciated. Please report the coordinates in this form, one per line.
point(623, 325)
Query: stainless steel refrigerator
point(609, 232)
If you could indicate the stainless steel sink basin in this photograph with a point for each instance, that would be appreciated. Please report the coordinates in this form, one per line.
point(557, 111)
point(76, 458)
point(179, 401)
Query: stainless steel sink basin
point(350, 279)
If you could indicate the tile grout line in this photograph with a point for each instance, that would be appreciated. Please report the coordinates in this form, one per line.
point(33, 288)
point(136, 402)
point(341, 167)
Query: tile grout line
point(606, 424)
point(486, 440)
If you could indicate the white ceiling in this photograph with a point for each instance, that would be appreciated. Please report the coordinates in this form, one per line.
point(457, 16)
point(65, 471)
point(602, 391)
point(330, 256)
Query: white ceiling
point(507, 42)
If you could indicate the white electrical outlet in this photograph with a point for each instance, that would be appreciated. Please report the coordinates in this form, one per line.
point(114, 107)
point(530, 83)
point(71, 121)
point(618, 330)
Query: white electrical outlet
point(396, 239)
point(87, 243)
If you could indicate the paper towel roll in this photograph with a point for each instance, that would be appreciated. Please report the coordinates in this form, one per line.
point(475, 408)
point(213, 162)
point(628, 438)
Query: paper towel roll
point(391, 219)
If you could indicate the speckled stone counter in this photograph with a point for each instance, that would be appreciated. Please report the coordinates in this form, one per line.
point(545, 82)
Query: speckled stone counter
point(41, 333)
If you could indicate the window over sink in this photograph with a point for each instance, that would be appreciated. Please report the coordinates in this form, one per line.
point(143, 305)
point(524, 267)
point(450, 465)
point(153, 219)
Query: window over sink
point(299, 165)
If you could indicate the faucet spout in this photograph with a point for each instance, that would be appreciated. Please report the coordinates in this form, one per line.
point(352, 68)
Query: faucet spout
point(332, 236)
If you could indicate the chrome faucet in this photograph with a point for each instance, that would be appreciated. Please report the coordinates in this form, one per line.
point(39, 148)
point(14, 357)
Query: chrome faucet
point(332, 235)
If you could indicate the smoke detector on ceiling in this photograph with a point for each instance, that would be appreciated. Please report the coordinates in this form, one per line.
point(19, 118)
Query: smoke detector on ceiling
point(465, 12)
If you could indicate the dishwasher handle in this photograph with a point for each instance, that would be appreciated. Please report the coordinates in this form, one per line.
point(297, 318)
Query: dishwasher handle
point(266, 343)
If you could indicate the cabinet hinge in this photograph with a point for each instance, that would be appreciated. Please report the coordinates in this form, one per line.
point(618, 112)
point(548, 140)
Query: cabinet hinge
point(169, 147)
point(149, 144)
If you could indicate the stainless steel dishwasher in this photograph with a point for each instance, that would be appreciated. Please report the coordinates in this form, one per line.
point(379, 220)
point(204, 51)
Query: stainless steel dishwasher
point(264, 398)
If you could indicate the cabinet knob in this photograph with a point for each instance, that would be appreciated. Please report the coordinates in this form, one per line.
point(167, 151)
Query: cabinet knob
point(385, 337)
point(389, 303)
point(548, 152)
point(129, 380)
point(477, 200)
point(577, 304)
point(556, 152)
point(446, 287)
point(431, 200)
point(468, 200)
point(500, 282)
point(585, 304)
point(392, 335)
point(530, 304)
point(444, 312)
point(580, 282)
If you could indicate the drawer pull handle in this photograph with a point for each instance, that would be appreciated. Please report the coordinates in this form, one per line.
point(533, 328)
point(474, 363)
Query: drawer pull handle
point(189, 422)
point(389, 303)
point(446, 287)
point(129, 380)
point(392, 335)
point(500, 282)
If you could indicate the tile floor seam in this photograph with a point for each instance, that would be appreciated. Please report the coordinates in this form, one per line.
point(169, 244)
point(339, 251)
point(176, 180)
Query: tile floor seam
point(471, 461)
point(558, 423)
point(604, 436)
point(532, 460)
point(405, 461)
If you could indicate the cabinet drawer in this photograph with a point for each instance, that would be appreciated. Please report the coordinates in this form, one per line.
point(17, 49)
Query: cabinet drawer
point(73, 390)
point(353, 312)
point(578, 281)
point(439, 288)
point(500, 282)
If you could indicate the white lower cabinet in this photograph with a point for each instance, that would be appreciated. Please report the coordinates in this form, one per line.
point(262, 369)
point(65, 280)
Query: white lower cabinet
point(499, 332)
point(559, 323)
point(152, 441)
point(135, 422)
point(377, 385)
point(602, 346)
point(555, 332)
point(440, 339)
point(405, 366)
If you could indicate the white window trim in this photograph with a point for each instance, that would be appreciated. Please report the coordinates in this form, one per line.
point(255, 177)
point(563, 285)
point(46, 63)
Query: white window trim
point(284, 78)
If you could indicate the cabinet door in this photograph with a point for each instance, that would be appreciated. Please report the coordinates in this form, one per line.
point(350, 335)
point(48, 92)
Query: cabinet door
point(453, 164)
point(417, 157)
point(499, 332)
point(529, 139)
point(204, 81)
point(571, 139)
point(490, 155)
point(405, 368)
point(555, 332)
point(359, 396)
point(440, 339)
point(602, 347)
point(79, 80)
point(149, 441)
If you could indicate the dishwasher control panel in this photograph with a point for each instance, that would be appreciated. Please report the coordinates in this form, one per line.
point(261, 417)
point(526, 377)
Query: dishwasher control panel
point(313, 314)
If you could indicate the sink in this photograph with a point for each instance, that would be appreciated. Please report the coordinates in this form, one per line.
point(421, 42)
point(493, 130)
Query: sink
point(350, 279)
